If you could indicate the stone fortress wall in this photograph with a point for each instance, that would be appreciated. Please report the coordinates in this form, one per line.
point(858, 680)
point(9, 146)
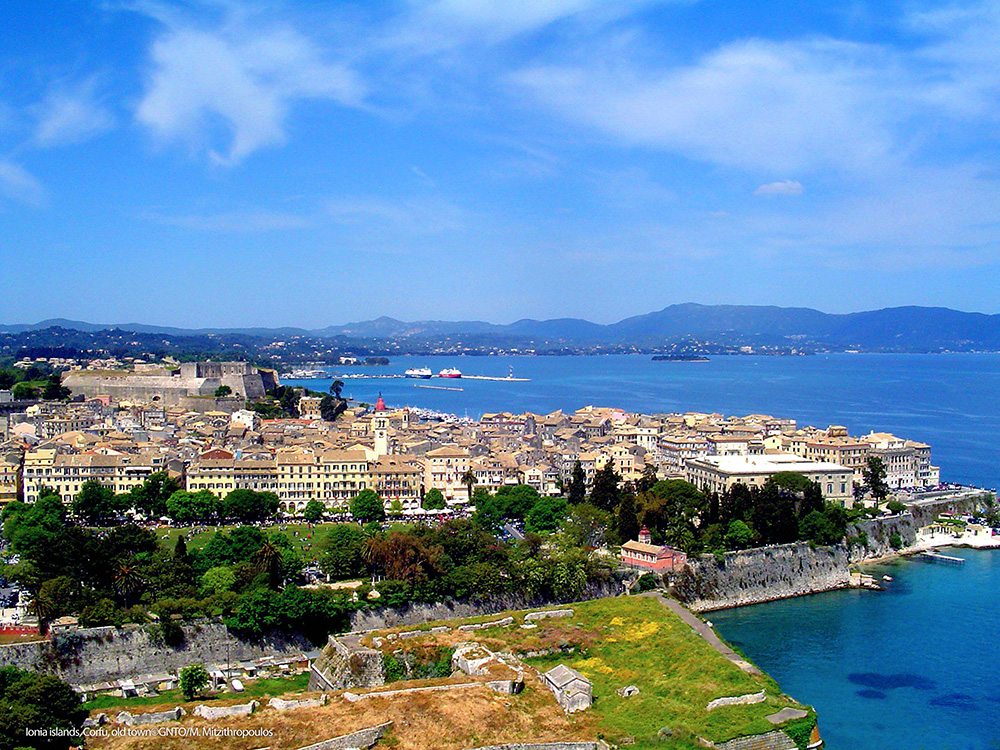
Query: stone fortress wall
point(193, 380)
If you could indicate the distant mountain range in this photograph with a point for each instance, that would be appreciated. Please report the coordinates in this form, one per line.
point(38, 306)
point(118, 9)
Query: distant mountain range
point(890, 329)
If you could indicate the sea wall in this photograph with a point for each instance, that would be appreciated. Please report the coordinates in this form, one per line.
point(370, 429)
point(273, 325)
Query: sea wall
point(760, 575)
point(92, 655)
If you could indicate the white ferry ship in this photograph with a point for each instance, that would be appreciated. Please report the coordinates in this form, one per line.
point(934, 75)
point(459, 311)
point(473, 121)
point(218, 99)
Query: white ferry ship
point(450, 372)
point(418, 372)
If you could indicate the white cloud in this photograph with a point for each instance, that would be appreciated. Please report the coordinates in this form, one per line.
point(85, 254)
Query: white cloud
point(70, 115)
point(753, 104)
point(17, 184)
point(787, 187)
point(229, 90)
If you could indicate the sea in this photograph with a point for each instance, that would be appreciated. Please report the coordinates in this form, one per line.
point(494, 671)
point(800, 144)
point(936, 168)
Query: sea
point(910, 668)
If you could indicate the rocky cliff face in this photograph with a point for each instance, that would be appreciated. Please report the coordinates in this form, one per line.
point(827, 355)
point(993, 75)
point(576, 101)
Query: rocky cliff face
point(93, 655)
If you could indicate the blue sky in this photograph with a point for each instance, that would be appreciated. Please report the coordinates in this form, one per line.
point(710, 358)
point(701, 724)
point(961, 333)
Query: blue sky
point(282, 163)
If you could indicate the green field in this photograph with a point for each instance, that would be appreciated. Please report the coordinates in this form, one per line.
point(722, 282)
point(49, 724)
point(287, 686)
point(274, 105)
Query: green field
point(303, 543)
point(639, 642)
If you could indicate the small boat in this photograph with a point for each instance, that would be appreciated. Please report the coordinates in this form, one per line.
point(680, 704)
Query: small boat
point(418, 372)
point(450, 372)
point(886, 578)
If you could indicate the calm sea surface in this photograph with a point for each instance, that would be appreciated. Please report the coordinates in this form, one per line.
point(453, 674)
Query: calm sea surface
point(911, 668)
point(916, 667)
point(947, 400)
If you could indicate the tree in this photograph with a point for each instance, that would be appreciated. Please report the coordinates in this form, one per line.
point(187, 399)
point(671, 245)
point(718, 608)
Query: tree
point(128, 580)
point(192, 507)
point(576, 492)
point(818, 529)
point(218, 579)
point(314, 511)
point(874, 475)
point(672, 511)
point(336, 387)
point(150, 498)
point(585, 526)
point(340, 551)
point(29, 700)
point(95, 504)
point(249, 506)
point(605, 493)
point(222, 391)
point(54, 390)
point(738, 535)
point(626, 521)
point(328, 408)
point(268, 560)
point(647, 480)
point(546, 514)
point(194, 678)
point(23, 392)
point(367, 506)
point(518, 500)
point(491, 511)
point(433, 500)
point(469, 480)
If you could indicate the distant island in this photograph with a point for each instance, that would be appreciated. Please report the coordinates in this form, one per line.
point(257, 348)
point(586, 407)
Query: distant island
point(675, 332)
point(680, 358)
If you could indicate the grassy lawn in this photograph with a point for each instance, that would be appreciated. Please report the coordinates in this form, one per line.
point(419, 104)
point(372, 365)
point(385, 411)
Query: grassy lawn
point(639, 642)
point(258, 689)
point(300, 535)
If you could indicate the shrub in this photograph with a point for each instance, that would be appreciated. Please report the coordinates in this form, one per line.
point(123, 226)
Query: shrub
point(895, 541)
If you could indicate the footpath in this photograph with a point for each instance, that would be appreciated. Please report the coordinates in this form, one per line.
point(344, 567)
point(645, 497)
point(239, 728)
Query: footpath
point(704, 630)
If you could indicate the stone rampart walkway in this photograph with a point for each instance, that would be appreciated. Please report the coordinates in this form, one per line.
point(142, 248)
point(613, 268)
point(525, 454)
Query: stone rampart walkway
point(704, 631)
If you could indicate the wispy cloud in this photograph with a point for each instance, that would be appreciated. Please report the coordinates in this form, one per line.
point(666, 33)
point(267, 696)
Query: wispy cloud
point(786, 187)
point(17, 184)
point(228, 89)
point(71, 114)
point(234, 222)
point(408, 215)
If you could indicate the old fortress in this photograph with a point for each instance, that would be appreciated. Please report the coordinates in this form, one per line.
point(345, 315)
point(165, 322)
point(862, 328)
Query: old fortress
point(131, 424)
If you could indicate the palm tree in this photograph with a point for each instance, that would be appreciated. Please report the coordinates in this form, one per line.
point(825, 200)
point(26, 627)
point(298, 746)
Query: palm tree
point(373, 549)
point(128, 580)
point(41, 607)
point(268, 560)
point(469, 479)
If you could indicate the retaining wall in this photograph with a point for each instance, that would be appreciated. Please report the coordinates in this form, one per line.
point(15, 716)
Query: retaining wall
point(92, 655)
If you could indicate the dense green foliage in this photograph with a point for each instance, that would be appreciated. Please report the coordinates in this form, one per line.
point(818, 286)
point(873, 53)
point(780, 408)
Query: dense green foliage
point(433, 500)
point(367, 506)
point(37, 701)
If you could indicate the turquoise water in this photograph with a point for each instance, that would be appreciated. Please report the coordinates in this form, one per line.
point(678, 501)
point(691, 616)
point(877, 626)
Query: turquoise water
point(947, 400)
point(911, 668)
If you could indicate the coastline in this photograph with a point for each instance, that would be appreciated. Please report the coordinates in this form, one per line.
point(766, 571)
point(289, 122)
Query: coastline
point(935, 541)
point(852, 572)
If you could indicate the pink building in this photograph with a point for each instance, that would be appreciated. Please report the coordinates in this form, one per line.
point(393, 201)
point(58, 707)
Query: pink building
point(643, 554)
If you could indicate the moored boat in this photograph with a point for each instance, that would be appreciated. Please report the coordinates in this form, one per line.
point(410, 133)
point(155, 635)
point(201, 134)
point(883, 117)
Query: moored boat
point(418, 372)
point(450, 372)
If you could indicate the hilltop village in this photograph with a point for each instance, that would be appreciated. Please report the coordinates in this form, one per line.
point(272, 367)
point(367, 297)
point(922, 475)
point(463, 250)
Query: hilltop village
point(192, 423)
